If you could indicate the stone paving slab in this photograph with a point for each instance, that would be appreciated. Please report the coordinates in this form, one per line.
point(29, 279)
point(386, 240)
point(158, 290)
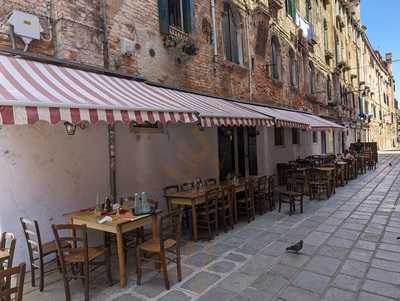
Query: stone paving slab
point(350, 253)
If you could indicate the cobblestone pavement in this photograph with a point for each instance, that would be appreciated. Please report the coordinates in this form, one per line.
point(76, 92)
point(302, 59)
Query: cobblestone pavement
point(350, 253)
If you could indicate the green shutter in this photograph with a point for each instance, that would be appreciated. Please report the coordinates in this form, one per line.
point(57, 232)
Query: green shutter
point(293, 8)
point(188, 15)
point(163, 16)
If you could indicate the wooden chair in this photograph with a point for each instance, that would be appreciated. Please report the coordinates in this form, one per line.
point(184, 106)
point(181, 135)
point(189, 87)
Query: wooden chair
point(38, 251)
point(9, 291)
point(211, 181)
point(293, 193)
point(225, 207)
point(76, 260)
point(207, 213)
point(187, 210)
point(246, 205)
point(261, 194)
point(7, 243)
point(187, 186)
point(167, 243)
point(318, 183)
point(270, 195)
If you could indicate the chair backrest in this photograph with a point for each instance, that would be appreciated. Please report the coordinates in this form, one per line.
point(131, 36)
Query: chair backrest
point(170, 189)
point(262, 184)
point(211, 181)
point(249, 190)
point(170, 226)
point(271, 184)
point(76, 236)
point(32, 237)
point(211, 199)
point(227, 195)
point(7, 242)
point(187, 186)
point(9, 288)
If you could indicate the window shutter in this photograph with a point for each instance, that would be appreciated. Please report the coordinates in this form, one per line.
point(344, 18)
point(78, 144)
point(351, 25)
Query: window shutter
point(188, 15)
point(226, 34)
point(163, 16)
point(234, 40)
point(293, 9)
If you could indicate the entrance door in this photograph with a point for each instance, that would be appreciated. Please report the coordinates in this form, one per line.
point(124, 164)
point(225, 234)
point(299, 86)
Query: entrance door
point(226, 152)
point(323, 142)
point(237, 151)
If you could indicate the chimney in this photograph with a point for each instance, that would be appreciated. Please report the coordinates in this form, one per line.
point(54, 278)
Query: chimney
point(389, 61)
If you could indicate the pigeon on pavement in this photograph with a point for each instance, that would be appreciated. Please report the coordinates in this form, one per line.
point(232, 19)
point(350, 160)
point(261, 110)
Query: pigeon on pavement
point(296, 247)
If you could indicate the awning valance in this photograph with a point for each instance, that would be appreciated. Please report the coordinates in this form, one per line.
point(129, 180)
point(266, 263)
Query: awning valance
point(294, 119)
point(215, 111)
point(283, 118)
point(31, 91)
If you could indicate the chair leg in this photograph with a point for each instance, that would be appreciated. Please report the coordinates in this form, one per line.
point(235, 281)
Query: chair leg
point(178, 264)
point(41, 284)
point(108, 265)
point(164, 269)
point(33, 275)
point(66, 286)
point(280, 204)
point(301, 204)
point(86, 272)
point(138, 266)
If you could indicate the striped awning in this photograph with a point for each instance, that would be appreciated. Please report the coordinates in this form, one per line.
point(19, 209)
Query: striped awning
point(283, 118)
point(31, 91)
point(215, 111)
point(319, 123)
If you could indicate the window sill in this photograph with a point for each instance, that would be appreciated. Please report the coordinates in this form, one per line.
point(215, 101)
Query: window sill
point(229, 64)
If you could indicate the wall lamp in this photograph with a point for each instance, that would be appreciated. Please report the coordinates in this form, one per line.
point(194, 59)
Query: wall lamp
point(70, 128)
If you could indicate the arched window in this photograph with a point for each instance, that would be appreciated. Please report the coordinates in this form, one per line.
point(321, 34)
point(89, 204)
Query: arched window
point(312, 77)
point(276, 58)
point(293, 74)
point(231, 34)
point(326, 39)
point(328, 88)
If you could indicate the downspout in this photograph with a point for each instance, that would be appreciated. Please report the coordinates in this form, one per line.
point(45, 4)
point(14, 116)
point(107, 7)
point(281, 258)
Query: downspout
point(110, 127)
point(249, 55)
point(214, 32)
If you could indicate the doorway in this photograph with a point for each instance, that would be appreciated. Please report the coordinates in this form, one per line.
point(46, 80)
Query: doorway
point(237, 151)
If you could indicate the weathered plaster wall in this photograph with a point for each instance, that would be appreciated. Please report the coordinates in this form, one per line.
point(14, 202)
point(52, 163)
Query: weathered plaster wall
point(46, 173)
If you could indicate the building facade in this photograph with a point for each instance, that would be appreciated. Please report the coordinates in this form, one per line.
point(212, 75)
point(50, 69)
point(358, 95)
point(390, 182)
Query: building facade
point(311, 55)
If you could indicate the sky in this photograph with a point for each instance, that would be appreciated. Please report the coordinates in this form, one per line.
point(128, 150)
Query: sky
point(383, 29)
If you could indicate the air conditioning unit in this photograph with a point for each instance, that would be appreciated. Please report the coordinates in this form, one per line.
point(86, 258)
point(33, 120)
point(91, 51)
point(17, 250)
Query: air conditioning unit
point(26, 26)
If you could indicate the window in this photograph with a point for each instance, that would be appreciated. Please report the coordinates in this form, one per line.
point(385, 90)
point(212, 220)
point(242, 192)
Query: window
point(279, 136)
point(328, 88)
point(311, 73)
point(293, 74)
point(276, 59)
point(231, 34)
point(326, 40)
point(314, 137)
point(177, 14)
point(290, 6)
point(295, 136)
point(308, 9)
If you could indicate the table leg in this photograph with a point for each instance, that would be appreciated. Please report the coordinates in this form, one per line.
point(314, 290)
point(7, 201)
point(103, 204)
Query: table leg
point(194, 221)
point(121, 259)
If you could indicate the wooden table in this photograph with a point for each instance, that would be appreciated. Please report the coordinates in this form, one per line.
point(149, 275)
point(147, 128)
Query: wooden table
point(332, 176)
point(196, 197)
point(118, 226)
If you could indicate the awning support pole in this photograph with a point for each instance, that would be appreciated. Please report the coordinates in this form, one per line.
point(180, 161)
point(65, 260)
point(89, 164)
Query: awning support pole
point(112, 161)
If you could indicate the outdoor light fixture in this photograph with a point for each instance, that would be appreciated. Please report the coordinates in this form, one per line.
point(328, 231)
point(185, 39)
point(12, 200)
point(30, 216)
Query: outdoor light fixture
point(70, 128)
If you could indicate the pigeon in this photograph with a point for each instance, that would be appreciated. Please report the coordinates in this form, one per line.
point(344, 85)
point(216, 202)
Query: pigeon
point(296, 247)
point(398, 237)
point(390, 164)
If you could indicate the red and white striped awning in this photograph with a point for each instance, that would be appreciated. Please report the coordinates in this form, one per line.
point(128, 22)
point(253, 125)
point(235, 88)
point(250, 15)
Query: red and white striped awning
point(32, 91)
point(283, 118)
point(215, 111)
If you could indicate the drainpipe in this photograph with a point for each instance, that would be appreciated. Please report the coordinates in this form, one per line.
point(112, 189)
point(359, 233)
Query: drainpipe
point(249, 55)
point(110, 127)
point(214, 31)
